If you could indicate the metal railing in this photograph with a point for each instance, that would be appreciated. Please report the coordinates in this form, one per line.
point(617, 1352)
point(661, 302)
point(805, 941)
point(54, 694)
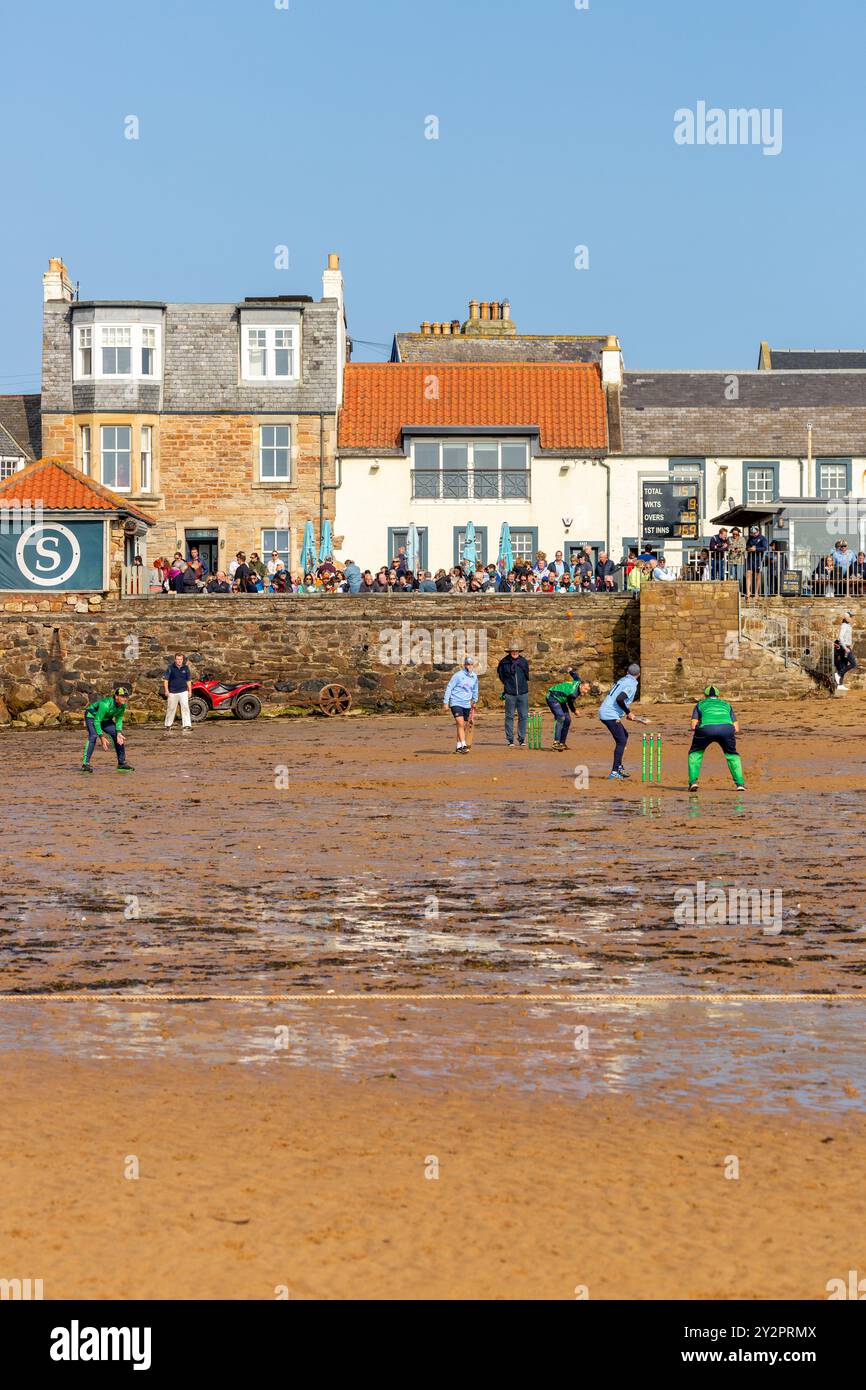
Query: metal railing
point(472, 484)
point(793, 639)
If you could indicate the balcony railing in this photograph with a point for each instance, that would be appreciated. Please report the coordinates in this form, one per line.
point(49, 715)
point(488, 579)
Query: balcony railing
point(475, 484)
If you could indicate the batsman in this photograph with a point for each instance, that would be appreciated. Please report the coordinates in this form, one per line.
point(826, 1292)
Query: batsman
point(714, 721)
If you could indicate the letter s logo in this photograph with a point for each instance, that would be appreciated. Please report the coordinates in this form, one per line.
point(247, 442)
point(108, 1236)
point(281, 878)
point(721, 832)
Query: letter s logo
point(52, 555)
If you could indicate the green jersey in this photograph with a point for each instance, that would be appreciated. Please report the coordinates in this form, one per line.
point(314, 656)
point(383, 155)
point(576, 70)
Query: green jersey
point(565, 690)
point(104, 711)
point(713, 711)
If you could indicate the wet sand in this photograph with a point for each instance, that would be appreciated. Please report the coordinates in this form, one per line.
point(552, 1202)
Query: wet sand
point(361, 858)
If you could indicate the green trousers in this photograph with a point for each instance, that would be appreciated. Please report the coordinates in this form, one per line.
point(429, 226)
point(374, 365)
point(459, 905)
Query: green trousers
point(732, 759)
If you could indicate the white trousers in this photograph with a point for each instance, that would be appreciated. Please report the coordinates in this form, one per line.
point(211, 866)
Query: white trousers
point(180, 697)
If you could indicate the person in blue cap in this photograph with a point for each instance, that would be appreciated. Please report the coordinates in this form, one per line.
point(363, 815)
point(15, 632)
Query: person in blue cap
point(615, 708)
point(461, 697)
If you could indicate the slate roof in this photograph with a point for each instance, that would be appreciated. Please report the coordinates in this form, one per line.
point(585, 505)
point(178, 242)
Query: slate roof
point(21, 420)
point(669, 414)
point(565, 403)
point(521, 347)
point(61, 486)
point(815, 360)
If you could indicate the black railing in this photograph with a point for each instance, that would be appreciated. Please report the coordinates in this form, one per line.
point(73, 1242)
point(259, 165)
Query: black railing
point(477, 484)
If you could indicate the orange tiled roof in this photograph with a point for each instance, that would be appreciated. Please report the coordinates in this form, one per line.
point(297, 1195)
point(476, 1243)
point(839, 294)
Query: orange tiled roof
point(565, 401)
point(62, 487)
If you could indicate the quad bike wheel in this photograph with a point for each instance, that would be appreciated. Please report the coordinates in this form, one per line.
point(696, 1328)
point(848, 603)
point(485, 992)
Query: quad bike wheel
point(334, 699)
point(199, 709)
point(246, 707)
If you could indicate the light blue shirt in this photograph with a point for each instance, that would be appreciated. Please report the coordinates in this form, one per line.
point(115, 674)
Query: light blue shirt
point(843, 558)
point(462, 689)
point(627, 686)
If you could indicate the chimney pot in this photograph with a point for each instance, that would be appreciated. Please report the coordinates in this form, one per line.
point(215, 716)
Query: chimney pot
point(485, 309)
point(333, 261)
point(494, 308)
point(425, 327)
point(473, 308)
point(455, 325)
point(506, 309)
point(437, 329)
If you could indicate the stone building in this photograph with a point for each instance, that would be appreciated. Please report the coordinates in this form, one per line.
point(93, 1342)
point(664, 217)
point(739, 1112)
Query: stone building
point(217, 420)
point(20, 431)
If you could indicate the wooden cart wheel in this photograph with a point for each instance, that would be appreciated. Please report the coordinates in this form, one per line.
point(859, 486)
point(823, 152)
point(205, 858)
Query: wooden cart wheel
point(334, 699)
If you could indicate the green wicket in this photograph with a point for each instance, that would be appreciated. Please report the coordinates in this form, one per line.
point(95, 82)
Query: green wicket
point(533, 731)
point(651, 758)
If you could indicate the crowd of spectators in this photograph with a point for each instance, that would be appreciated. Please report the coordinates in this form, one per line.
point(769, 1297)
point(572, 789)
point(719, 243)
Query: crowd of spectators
point(756, 564)
point(249, 574)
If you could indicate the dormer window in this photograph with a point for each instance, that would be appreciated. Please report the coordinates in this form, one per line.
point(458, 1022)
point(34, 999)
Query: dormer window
point(270, 353)
point(112, 350)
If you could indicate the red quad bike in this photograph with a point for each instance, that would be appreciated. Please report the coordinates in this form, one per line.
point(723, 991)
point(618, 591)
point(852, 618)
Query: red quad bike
point(209, 694)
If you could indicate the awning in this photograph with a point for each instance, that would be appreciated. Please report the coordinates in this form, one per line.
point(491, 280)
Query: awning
point(744, 516)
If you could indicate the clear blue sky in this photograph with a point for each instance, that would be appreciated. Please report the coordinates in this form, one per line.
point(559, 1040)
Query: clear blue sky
point(305, 127)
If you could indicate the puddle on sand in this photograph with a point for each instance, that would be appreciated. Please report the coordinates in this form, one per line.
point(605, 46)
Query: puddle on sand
point(773, 1057)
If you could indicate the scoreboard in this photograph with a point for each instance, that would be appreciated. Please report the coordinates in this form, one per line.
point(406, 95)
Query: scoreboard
point(670, 510)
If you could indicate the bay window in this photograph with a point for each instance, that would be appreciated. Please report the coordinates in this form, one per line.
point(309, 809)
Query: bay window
point(482, 469)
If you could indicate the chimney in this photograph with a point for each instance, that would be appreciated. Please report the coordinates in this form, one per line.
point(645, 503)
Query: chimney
point(611, 380)
point(611, 363)
point(473, 308)
point(332, 279)
point(485, 309)
point(425, 327)
point(506, 310)
point(56, 283)
point(494, 309)
point(437, 329)
point(455, 325)
point(446, 328)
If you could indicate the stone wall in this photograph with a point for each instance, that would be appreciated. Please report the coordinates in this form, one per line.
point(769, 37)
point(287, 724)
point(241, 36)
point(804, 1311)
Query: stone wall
point(391, 652)
point(690, 638)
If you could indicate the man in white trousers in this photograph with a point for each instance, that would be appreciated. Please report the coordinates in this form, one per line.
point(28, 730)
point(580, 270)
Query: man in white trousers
point(177, 684)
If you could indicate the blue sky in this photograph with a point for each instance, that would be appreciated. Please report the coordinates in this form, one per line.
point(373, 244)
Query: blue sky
point(305, 127)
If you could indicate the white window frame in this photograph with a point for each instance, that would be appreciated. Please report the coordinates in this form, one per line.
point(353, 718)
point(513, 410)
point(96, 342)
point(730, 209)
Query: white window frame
point(10, 464)
point(521, 532)
point(269, 348)
point(85, 442)
point(145, 459)
point(90, 337)
point(832, 492)
point(285, 553)
point(102, 454)
point(275, 478)
point(470, 444)
point(752, 500)
point(145, 345)
point(84, 345)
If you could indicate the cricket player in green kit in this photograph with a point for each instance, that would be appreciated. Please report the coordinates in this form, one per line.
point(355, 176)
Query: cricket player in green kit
point(714, 721)
point(104, 721)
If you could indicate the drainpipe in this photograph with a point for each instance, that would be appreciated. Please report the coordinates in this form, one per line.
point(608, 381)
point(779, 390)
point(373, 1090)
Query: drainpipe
point(809, 464)
point(606, 468)
point(323, 486)
point(321, 474)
